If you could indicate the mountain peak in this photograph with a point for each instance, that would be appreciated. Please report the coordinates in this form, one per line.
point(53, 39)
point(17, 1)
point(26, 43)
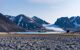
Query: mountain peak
point(64, 22)
point(21, 15)
point(38, 20)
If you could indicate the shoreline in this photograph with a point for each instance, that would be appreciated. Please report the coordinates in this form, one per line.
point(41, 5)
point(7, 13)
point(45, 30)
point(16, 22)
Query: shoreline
point(15, 34)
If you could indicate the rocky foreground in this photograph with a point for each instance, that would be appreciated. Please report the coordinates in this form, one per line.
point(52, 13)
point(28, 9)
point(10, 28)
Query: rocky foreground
point(39, 42)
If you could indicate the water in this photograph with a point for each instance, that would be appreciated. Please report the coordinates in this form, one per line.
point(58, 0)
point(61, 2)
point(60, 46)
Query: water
point(40, 32)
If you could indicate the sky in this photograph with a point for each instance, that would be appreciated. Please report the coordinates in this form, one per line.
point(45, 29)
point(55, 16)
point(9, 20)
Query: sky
point(48, 10)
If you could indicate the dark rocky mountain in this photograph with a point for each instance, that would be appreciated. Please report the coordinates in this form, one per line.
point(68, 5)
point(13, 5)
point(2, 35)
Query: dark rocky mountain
point(32, 24)
point(8, 26)
point(39, 21)
point(75, 20)
point(66, 23)
point(10, 17)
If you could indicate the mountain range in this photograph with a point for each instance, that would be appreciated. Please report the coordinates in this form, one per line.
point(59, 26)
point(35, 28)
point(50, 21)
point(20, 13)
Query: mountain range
point(72, 23)
point(21, 23)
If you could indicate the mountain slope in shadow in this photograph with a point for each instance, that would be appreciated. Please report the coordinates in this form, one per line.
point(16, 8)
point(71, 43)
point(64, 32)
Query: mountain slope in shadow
point(8, 26)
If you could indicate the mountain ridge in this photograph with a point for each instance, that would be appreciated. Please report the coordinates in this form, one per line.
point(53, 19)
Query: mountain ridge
point(72, 23)
point(33, 24)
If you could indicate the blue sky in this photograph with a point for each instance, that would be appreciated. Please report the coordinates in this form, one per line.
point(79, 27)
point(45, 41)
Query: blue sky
point(48, 10)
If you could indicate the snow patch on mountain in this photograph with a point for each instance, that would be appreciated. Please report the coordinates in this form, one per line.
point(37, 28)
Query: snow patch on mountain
point(20, 20)
point(54, 27)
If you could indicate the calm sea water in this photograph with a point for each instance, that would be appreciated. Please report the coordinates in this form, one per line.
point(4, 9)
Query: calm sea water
point(40, 32)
